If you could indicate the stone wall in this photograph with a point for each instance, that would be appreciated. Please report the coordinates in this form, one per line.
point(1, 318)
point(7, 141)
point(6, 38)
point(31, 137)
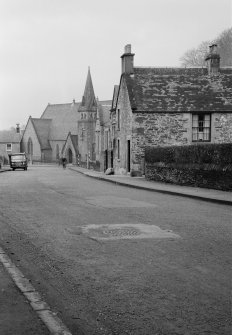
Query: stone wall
point(30, 133)
point(152, 129)
point(222, 127)
point(125, 132)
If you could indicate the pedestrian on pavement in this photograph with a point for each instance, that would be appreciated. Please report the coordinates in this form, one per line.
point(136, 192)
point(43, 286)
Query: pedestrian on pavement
point(64, 162)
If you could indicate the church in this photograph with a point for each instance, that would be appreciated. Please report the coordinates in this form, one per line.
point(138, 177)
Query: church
point(66, 130)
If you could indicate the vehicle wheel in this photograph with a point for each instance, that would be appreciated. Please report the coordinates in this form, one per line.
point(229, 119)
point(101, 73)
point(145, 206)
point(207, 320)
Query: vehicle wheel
point(13, 169)
point(25, 169)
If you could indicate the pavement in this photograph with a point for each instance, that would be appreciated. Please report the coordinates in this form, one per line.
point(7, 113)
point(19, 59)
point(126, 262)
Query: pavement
point(16, 314)
point(205, 194)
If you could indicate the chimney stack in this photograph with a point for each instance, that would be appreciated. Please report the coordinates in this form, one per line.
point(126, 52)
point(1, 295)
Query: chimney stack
point(127, 60)
point(17, 128)
point(213, 60)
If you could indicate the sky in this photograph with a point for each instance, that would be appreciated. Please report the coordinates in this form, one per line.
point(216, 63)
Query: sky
point(46, 46)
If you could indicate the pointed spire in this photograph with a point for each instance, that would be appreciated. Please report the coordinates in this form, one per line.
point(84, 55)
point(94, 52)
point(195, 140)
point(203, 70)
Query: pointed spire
point(88, 99)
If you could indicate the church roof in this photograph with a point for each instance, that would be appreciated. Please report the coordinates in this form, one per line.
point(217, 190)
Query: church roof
point(74, 140)
point(42, 129)
point(64, 120)
point(88, 100)
point(179, 90)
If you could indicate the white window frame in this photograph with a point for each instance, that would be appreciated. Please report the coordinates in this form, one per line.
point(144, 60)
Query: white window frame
point(9, 144)
point(201, 127)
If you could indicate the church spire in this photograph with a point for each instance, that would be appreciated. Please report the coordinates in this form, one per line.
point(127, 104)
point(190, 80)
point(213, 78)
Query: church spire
point(88, 100)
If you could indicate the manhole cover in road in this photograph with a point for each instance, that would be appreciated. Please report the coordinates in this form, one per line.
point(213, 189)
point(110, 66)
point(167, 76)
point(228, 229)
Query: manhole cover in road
point(126, 231)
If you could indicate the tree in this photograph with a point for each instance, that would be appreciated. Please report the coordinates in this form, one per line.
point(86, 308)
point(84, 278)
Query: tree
point(196, 56)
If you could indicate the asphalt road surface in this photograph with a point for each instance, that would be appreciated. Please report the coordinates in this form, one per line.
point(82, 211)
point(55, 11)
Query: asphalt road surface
point(116, 260)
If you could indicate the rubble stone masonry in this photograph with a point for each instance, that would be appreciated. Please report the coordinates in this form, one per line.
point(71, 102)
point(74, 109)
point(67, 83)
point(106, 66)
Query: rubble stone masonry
point(222, 128)
point(152, 129)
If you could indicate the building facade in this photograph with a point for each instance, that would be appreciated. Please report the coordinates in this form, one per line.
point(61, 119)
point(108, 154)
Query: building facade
point(168, 106)
point(9, 143)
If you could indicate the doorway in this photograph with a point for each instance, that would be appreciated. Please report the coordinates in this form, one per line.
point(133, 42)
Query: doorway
point(112, 158)
point(106, 160)
point(128, 156)
point(70, 156)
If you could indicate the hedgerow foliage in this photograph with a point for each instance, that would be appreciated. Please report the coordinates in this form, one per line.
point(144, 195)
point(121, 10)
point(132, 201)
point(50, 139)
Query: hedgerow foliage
point(217, 154)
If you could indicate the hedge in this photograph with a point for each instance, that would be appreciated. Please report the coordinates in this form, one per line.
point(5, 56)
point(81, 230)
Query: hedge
point(219, 155)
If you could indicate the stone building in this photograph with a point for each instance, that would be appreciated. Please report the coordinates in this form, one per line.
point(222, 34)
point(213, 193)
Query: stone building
point(43, 138)
point(9, 143)
point(65, 130)
point(168, 106)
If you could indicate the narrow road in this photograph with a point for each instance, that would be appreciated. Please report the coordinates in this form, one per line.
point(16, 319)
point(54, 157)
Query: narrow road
point(83, 244)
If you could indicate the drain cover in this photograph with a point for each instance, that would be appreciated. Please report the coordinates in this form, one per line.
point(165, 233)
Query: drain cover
point(126, 231)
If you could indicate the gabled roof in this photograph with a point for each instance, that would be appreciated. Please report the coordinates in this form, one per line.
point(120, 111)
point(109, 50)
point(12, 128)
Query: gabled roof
point(74, 140)
point(10, 136)
point(64, 120)
point(115, 96)
point(179, 90)
point(88, 100)
point(42, 129)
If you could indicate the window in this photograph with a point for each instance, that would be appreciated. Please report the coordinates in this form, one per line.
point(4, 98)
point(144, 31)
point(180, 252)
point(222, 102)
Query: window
point(118, 119)
point(201, 128)
point(118, 149)
point(8, 147)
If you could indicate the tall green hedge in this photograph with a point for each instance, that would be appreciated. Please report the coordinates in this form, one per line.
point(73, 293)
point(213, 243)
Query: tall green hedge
point(218, 154)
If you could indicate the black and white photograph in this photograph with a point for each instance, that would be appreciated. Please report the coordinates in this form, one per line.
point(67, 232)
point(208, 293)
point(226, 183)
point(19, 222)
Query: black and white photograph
point(115, 167)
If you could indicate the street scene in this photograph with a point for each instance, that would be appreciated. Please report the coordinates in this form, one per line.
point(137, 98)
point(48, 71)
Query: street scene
point(115, 167)
point(111, 259)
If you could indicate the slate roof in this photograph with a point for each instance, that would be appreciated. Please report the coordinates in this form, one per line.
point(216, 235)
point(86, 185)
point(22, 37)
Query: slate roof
point(115, 96)
point(64, 120)
point(10, 136)
point(179, 90)
point(74, 140)
point(42, 129)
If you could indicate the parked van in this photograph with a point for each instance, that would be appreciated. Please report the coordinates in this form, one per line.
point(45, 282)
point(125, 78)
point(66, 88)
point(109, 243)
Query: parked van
point(18, 161)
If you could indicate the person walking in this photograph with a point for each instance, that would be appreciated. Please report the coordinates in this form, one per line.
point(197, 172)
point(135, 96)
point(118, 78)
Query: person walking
point(64, 162)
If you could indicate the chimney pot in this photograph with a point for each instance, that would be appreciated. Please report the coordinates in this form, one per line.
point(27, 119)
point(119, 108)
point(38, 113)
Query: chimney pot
point(213, 60)
point(127, 49)
point(127, 60)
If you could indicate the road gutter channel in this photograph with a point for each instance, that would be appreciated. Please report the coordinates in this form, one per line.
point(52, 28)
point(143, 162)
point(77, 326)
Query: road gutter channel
point(150, 189)
point(49, 318)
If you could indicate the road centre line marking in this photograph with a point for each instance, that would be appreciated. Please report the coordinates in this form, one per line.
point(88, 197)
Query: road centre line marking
point(53, 323)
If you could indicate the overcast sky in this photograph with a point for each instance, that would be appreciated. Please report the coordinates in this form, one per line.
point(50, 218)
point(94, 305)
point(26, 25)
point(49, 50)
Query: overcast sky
point(46, 46)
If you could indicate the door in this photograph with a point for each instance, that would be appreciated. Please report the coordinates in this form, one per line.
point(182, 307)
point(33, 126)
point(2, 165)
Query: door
point(112, 158)
point(70, 156)
point(106, 160)
point(128, 156)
